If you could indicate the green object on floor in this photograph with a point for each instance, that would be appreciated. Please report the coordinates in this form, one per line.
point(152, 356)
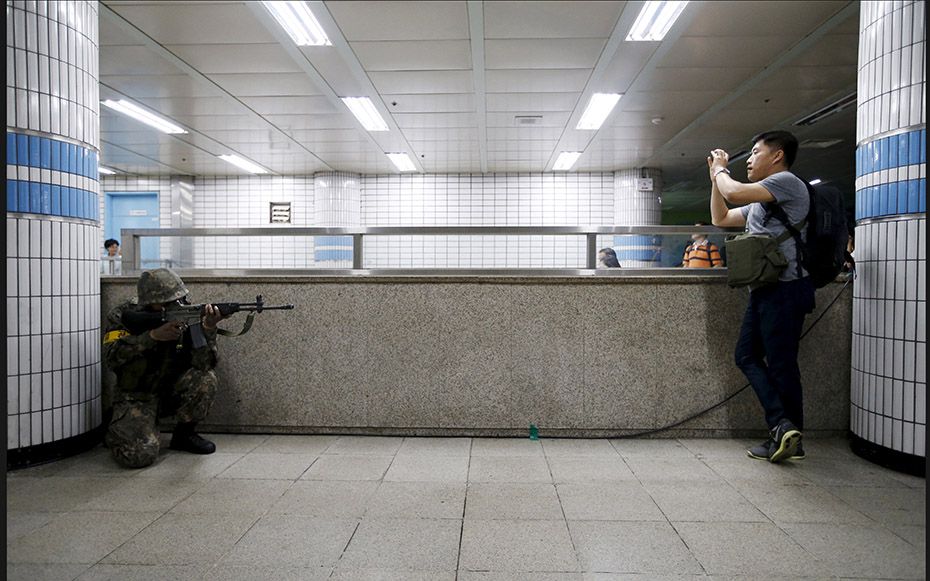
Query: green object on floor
point(534, 432)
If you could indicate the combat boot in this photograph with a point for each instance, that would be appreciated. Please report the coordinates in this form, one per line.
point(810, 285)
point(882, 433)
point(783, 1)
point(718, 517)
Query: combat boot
point(186, 440)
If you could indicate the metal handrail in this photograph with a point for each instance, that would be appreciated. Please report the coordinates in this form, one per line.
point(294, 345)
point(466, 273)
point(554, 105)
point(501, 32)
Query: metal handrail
point(132, 246)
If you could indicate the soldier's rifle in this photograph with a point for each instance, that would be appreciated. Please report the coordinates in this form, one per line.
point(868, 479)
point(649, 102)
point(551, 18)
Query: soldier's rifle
point(138, 321)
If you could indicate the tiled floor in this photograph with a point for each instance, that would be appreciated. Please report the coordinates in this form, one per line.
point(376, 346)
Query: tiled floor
point(434, 509)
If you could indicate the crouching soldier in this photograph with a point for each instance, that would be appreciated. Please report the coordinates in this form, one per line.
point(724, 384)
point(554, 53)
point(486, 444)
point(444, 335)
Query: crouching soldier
point(158, 373)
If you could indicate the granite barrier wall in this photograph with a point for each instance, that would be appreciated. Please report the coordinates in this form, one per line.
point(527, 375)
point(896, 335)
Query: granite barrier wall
point(577, 357)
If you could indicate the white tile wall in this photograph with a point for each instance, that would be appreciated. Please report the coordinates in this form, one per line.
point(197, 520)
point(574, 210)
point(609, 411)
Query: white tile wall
point(52, 68)
point(53, 345)
point(517, 199)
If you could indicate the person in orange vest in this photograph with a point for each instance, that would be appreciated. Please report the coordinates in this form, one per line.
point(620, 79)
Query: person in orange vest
point(701, 253)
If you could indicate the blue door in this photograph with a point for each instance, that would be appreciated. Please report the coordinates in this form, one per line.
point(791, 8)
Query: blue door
point(133, 210)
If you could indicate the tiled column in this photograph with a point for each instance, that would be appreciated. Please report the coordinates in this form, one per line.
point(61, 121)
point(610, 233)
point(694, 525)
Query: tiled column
point(889, 382)
point(636, 205)
point(53, 229)
point(337, 203)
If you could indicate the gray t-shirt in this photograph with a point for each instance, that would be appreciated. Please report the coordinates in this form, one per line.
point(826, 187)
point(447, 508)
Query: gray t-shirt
point(791, 194)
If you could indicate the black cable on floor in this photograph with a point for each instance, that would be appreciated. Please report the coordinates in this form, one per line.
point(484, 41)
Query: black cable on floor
point(740, 390)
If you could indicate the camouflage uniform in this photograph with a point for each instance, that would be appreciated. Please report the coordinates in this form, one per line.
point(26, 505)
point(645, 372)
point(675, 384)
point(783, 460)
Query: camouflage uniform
point(154, 379)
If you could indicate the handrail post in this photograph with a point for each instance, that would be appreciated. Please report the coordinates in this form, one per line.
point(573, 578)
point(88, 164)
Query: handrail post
point(592, 251)
point(357, 258)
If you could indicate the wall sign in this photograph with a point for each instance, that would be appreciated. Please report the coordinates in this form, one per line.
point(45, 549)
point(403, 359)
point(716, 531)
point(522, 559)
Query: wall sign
point(644, 185)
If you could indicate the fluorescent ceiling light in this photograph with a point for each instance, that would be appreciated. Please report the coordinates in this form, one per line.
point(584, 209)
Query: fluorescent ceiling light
point(106, 171)
point(364, 110)
point(299, 23)
point(566, 160)
point(655, 20)
point(815, 181)
point(138, 113)
point(243, 163)
point(401, 161)
point(599, 107)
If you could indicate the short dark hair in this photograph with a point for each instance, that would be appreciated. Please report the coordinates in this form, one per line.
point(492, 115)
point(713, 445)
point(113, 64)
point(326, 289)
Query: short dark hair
point(780, 140)
point(608, 251)
point(110, 242)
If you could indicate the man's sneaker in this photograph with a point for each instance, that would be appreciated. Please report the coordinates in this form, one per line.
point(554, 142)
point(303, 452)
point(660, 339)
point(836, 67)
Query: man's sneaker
point(761, 452)
point(191, 442)
point(798, 454)
point(786, 437)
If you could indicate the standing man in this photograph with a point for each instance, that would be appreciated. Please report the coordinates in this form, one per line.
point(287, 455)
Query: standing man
point(767, 349)
point(701, 253)
point(158, 373)
point(111, 262)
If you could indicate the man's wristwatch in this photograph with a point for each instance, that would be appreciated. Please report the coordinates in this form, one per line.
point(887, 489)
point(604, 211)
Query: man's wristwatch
point(716, 173)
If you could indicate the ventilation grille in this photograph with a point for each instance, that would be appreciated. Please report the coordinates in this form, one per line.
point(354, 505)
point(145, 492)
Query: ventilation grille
point(522, 120)
point(818, 143)
point(830, 109)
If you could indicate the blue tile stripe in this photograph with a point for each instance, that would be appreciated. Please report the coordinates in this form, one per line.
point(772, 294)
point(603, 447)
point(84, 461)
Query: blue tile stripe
point(640, 247)
point(47, 153)
point(902, 197)
point(41, 198)
point(891, 152)
point(333, 248)
point(321, 255)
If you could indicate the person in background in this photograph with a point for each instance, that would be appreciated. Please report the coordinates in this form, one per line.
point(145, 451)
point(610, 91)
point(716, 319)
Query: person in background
point(701, 253)
point(112, 261)
point(607, 258)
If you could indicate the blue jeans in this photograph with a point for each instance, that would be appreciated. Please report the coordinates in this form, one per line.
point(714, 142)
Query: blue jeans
point(767, 349)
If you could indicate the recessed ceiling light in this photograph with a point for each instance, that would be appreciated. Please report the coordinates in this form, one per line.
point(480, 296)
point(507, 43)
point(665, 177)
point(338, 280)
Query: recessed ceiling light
point(401, 161)
point(243, 163)
point(364, 110)
point(815, 181)
point(655, 20)
point(299, 23)
point(138, 113)
point(599, 107)
point(106, 171)
point(566, 160)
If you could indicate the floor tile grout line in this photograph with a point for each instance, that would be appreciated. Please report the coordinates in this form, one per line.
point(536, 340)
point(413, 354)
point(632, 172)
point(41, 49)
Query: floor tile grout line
point(458, 559)
point(568, 529)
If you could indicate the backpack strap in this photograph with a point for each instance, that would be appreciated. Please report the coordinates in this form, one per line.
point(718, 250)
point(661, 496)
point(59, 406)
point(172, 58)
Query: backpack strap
point(772, 209)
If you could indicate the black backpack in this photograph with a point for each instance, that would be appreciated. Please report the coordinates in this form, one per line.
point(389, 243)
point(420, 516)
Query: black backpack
point(824, 252)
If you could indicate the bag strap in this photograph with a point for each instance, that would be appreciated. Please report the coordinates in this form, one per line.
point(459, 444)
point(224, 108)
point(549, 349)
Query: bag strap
point(773, 209)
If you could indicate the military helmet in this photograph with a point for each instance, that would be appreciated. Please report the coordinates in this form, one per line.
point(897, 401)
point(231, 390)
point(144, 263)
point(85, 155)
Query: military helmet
point(160, 286)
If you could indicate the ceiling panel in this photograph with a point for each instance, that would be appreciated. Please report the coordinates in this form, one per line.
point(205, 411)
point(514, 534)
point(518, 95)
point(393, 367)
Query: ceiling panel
point(758, 17)
point(536, 81)
point(532, 101)
point(209, 23)
point(555, 53)
point(550, 19)
point(414, 56)
point(235, 58)
point(162, 86)
point(266, 84)
point(365, 21)
point(445, 103)
point(311, 105)
point(753, 51)
point(427, 82)
point(438, 120)
point(133, 60)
